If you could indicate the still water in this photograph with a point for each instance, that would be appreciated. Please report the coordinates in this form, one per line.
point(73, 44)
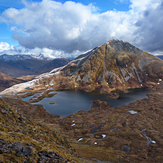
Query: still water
point(70, 102)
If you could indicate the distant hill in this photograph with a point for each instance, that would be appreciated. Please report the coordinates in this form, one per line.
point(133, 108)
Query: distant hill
point(55, 63)
point(160, 56)
point(7, 81)
point(22, 65)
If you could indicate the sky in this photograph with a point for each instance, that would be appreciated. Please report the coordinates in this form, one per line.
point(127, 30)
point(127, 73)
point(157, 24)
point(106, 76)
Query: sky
point(59, 28)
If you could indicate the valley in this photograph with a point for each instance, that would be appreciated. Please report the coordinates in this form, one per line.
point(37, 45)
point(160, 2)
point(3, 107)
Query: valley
point(103, 130)
point(23, 65)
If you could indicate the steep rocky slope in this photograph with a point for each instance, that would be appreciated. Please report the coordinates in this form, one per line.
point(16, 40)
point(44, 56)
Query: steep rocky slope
point(114, 66)
point(24, 140)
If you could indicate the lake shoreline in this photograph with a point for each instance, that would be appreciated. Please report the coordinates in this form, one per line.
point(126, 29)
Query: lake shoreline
point(80, 100)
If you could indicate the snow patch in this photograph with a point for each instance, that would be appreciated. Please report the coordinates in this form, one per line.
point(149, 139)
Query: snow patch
point(78, 78)
point(103, 135)
point(132, 112)
point(80, 139)
point(55, 70)
point(123, 72)
point(73, 124)
point(134, 68)
point(57, 73)
point(51, 83)
point(149, 140)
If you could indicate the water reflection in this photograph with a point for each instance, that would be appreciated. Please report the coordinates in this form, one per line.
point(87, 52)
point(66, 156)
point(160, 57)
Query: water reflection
point(70, 102)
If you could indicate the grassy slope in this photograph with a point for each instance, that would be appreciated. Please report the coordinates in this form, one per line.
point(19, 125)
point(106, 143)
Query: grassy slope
point(36, 136)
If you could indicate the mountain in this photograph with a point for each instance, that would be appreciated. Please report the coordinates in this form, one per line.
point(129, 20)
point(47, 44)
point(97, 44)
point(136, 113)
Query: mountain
point(21, 65)
point(115, 66)
point(17, 57)
point(160, 56)
point(55, 63)
point(7, 81)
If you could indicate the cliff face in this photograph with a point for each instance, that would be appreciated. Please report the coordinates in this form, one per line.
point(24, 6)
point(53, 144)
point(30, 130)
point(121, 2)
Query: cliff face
point(116, 65)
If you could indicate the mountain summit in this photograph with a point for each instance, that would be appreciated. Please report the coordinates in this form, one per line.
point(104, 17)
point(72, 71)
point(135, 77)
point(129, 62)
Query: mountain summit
point(116, 65)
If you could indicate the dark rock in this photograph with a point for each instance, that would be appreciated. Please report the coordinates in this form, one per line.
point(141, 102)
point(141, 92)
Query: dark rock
point(2, 142)
point(27, 151)
point(7, 109)
point(49, 155)
point(95, 129)
point(21, 119)
point(40, 161)
point(17, 146)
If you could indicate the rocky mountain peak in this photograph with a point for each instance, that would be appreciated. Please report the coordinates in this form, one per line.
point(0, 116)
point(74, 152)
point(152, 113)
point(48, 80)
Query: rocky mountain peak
point(123, 46)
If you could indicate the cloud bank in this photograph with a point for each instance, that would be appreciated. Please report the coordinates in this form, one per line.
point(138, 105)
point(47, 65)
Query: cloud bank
point(4, 46)
point(71, 27)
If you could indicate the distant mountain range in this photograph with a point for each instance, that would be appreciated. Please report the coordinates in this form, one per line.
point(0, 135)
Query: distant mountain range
point(160, 56)
point(16, 57)
point(21, 65)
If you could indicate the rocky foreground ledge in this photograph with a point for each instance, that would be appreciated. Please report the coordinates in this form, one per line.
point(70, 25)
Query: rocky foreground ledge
point(25, 140)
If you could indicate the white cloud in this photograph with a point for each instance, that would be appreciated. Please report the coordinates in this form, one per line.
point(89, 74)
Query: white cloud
point(4, 46)
point(141, 6)
point(73, 27)
point(149, 27)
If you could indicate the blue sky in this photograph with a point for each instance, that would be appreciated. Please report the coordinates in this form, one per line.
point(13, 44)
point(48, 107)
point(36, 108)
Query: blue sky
point(72, 27)
point(103, 6)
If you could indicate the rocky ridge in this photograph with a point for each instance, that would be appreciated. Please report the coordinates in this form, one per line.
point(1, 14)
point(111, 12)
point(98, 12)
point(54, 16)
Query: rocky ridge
point(21, 65)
